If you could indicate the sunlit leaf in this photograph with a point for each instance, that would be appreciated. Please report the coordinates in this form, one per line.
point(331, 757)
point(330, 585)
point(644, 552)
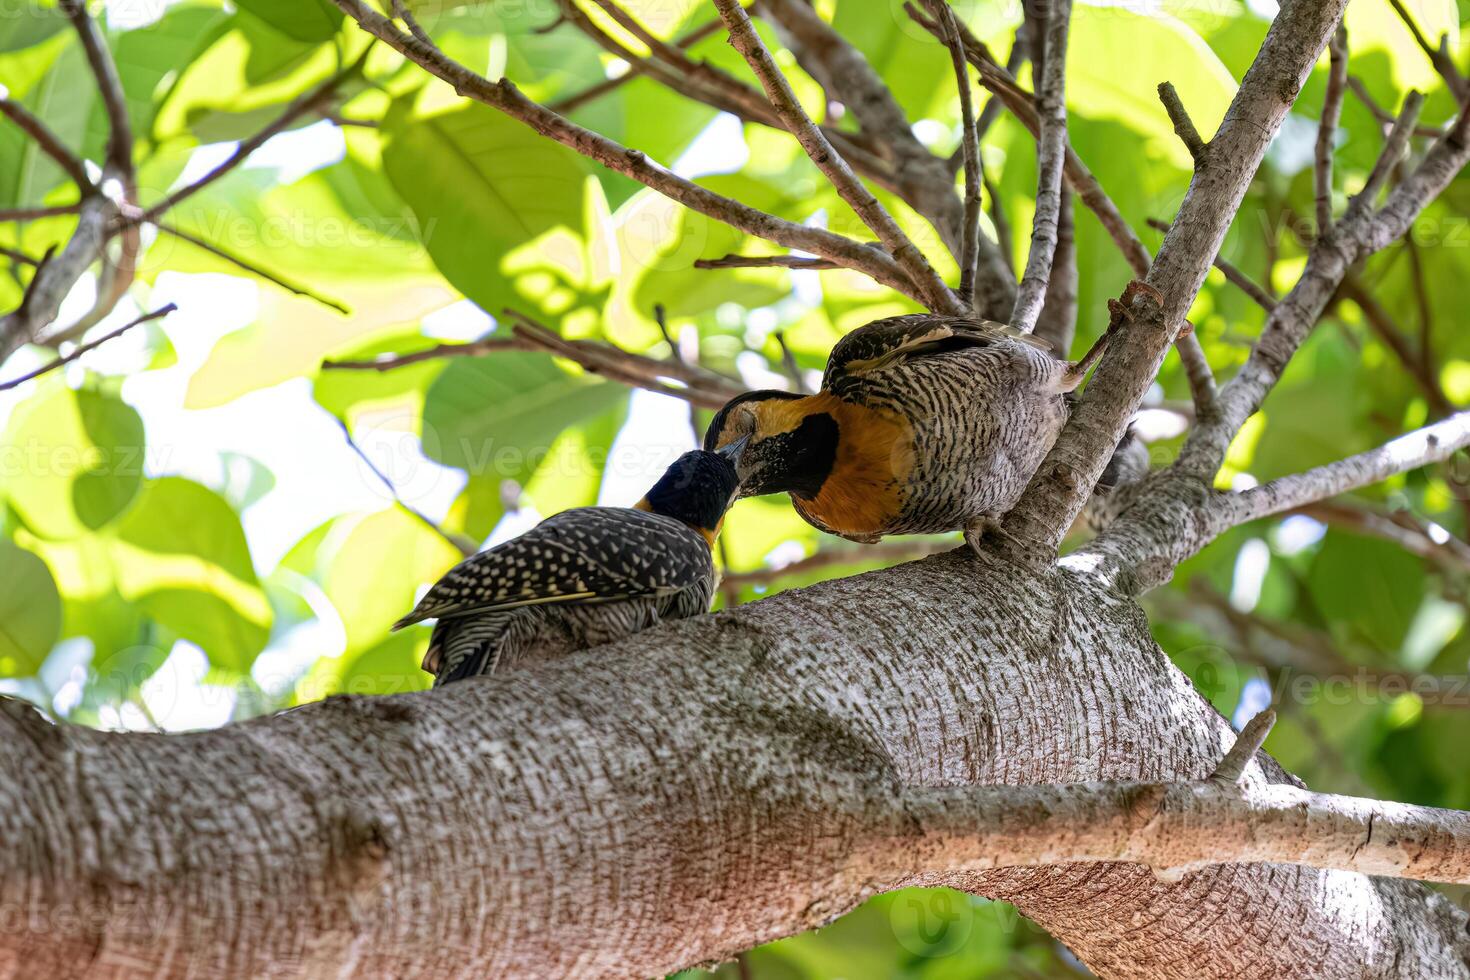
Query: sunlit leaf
point(30, 611)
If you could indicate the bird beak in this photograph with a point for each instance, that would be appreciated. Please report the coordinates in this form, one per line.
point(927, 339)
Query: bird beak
point(732, 451)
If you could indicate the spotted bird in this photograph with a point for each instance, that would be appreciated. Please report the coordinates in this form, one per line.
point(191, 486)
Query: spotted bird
point(586, 576)
point(924, 424)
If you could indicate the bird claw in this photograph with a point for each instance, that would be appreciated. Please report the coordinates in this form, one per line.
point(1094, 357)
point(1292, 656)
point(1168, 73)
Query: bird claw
point(986, 525)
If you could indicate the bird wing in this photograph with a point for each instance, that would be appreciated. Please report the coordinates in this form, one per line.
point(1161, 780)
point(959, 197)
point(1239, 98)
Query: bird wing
point(886, 342)
point(585, 555)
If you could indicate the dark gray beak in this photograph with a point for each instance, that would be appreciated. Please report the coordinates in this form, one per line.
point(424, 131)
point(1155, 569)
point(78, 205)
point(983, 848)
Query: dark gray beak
point(733, 450)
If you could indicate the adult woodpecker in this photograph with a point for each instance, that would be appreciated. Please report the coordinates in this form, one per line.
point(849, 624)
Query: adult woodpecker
point(924, 424)
point(586, 576)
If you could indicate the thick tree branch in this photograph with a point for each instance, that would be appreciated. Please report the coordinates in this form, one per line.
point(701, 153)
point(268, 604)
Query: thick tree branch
point(749, 787)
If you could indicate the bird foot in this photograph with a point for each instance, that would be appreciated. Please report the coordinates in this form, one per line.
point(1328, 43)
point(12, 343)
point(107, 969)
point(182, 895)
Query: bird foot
point(986, 526)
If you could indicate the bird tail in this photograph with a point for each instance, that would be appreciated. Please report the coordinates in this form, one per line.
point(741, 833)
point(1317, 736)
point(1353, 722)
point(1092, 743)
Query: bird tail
point(466, 647)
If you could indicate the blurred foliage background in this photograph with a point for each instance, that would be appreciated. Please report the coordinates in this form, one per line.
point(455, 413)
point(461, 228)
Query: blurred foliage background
point(200, 524)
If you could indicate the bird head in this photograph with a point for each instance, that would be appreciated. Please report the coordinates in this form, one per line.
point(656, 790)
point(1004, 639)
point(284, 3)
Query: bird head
point(787, 443)
point(697, 489)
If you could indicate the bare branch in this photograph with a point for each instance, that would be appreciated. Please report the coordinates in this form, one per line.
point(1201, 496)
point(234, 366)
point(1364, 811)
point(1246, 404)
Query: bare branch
point(1385, 118)
point(33, 214)
point(920, 178)
point(1408, 532)
point(1431, 444)
point(302, 105)
point(87, 348)
point(574, 102)
point(970, 153)
point(1437, 54)
point(48, 142)
point(1393, 151)
point(765, 262)
point(1173, 828)
point(702, 388)
point(1153, 315)
point(1233, 275)
point(54, 279)
point(1232, 768)
point(1358, 233)
point(1327, 128)
point(1387, 330)
point(1051, 144)
point(18, 257)
point(743, 37)
point(504, 96)
point(120, 129)
point(1058, 321)
point(1183, 125)
point(793, 370)
point(401, 11)
point(286, 284)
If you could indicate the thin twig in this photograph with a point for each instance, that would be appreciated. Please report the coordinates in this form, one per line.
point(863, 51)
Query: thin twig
point(1387, 330)
point(1393, 150)
point(286, 284)
point(391, 362)
point(765, 262)
point(1437, 54)
point(1327, 128)
point(1002, 223)
point(793, 370)
point(574, 102)
point(401, 11)
point(88, 347)
point(1384, 117)
point(1051, 146)
point(18, 257)
point(505, 97)
point(1232, 768)
point(35, 214)
point(1183, 125)
point(48, 142)
point(937, 296)
point(970, 150)
point(120, 129)
point(460, 543)
point(1233, 274)
point(299, 107)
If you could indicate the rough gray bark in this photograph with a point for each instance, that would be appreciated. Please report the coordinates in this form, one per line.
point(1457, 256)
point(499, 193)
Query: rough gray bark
point(667, 801)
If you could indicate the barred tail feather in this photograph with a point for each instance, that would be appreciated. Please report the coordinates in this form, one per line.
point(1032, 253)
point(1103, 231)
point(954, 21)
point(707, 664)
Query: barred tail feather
point(465, 647)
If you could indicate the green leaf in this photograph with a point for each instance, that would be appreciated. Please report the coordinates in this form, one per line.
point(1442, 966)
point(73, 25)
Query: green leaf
point(501, 413)
point(480, 184)
point(30, 611)
point(303, 20)
point(181, 555)
point(1160, 48)
point(76, 460)
point(372, 567)
point(1367, 587)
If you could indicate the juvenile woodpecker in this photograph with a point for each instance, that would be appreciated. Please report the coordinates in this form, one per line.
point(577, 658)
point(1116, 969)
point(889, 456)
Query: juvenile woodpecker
point(586, 576)
point(924, 424)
